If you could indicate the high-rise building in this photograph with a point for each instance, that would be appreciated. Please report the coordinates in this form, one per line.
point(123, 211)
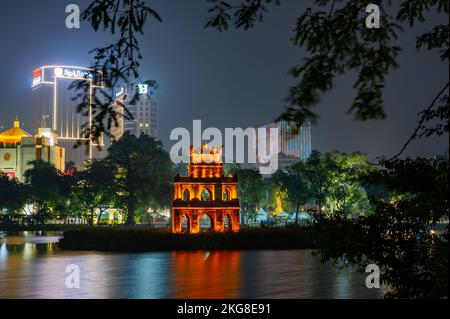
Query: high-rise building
point(55, 107)
point(142, 107)
point(294, 144)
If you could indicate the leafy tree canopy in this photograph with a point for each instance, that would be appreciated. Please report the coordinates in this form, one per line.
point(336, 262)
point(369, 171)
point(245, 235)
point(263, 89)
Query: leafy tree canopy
point(143, 172)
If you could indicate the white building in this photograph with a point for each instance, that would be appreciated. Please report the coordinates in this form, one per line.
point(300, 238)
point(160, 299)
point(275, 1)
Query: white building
point(18, 148)
point(142, 107)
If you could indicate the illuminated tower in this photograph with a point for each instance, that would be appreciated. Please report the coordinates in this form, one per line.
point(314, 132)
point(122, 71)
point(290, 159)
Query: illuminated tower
point(144, 111)
point(54, 107)
point(205, 192)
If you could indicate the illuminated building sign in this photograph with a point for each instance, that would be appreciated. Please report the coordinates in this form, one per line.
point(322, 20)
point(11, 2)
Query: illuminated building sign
point(73, 73)
point(37, 73)
point(142, 88)
point(37, 77)
point(36, 82)
point(48, 74)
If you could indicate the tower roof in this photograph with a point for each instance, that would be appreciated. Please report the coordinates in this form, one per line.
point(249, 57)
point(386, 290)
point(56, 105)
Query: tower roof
point(13, 135)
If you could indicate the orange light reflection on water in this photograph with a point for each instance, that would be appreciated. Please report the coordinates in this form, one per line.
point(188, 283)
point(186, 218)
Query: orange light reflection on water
point(202, 275)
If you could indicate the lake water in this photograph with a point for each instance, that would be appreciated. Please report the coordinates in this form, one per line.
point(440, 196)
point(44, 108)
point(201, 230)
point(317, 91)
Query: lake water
point(32, 266)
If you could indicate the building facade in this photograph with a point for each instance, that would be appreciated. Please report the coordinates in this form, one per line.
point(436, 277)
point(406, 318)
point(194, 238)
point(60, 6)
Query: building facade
point(205, 192)
point(294, 144)
point(143, 117)
point(54, 106)
point(18, 148)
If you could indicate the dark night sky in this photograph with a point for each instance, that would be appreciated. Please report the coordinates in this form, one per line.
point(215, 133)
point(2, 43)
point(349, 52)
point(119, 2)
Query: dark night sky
point(232, 79)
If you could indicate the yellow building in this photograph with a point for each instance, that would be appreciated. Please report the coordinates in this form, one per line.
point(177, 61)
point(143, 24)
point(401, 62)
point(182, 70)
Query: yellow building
point(18, 148)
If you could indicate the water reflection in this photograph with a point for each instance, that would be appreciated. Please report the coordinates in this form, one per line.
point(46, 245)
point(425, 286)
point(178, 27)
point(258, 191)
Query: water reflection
point(33, 267)
point(206, 274)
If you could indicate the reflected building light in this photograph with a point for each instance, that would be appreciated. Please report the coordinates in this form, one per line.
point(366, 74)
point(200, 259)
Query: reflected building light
point(342, 284)
point(3, 252)
point(28, 251)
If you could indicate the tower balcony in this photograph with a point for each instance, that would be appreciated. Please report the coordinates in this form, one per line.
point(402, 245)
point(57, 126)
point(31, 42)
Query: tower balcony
point(193, 203)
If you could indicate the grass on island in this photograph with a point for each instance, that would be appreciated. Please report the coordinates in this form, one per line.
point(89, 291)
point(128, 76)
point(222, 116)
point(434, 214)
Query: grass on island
point(123, 239)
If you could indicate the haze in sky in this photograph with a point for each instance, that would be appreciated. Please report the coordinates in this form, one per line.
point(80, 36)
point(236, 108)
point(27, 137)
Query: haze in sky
point(231, 79)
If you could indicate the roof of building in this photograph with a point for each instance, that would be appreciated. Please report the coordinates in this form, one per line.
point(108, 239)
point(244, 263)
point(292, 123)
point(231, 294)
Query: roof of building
point(261, 212)
point(14, 135)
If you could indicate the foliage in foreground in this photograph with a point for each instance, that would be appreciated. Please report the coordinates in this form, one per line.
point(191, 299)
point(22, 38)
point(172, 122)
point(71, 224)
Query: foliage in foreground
point(413, 259)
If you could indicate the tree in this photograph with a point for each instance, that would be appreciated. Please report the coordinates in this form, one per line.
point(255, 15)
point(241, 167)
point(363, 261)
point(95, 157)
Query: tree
point(181, 169)
point(347, 194)
point(95, 187)
point(231, 168)
point(142, 169)
point(250, 190)
point(319, 172)
point(12, 195)
point(398, 235)
point(295, 182)
point(47, 189)
point(278, 196)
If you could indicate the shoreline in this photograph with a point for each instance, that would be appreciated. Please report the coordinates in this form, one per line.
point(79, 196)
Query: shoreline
point(42, 228)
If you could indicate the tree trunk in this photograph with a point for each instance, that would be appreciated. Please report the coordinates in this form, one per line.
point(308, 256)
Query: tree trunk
point(39, 214)
point(99, 216)
point(91, 219)
point(130, 211)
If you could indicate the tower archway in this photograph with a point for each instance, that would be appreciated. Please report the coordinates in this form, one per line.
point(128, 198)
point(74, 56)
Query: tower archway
point(185, 224)
point(227, 223)
point(186, 195)
point(225, 195)
point(206, 195)
point(206, 223)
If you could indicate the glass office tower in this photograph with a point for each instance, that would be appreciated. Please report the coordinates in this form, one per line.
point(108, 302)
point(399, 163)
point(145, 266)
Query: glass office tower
point(54, 107)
